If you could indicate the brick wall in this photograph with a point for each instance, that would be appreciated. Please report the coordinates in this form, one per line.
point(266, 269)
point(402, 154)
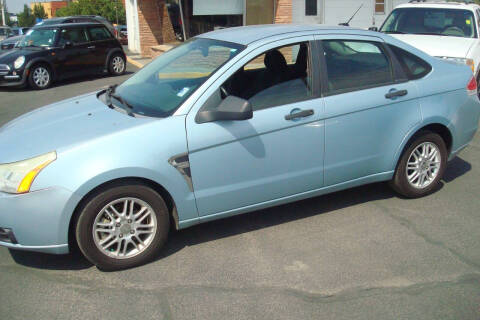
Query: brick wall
point(154, 24)
point(283, 12)
point(57, 5)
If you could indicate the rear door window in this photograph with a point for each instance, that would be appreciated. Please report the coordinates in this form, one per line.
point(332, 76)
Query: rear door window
point(99, 34)
point(356, 65)
point(413, 66)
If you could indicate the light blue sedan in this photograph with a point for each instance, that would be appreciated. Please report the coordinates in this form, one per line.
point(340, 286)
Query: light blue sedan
point(231, 121)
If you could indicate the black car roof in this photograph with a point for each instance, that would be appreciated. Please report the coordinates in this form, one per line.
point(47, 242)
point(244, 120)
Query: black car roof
point(70, 25)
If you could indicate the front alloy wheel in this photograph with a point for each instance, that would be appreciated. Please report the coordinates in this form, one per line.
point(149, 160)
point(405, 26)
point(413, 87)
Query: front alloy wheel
point(122, 226)
point(40, 77)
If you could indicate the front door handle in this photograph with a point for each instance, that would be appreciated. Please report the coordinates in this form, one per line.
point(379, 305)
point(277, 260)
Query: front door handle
point(396, 93)
point(299, 114)
point(92, 47)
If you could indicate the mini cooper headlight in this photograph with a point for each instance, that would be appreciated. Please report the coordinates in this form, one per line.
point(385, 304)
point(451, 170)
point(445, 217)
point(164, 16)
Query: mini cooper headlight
point(19, 62)
point(18, 177)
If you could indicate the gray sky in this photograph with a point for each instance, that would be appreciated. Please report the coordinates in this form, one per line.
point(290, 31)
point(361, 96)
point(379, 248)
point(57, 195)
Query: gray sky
point(16, 6)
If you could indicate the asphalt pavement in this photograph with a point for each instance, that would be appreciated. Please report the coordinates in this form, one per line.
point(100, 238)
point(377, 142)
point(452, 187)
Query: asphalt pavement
point(363, 253)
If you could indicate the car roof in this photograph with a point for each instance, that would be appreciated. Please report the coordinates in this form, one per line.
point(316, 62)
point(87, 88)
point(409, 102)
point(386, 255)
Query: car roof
point(440, 5)
point(248, 34)
point(70, 25)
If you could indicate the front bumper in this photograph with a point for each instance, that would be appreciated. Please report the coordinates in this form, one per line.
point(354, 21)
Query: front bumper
point(12, 78)
point(37, 220)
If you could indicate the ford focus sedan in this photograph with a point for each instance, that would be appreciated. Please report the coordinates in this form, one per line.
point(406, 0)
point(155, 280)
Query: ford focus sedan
point(231, 121)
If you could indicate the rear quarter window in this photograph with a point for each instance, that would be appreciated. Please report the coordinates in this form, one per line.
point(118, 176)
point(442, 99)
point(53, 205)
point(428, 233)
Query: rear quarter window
point(413, 66)
point(99, 33)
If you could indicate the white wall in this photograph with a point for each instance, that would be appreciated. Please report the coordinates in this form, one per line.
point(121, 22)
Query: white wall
point(333, 12)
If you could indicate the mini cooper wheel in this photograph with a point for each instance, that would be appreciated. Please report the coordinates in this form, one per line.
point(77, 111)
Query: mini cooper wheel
point(40, 77)
point(122, 226)
point(421, 166)
point(117, 65)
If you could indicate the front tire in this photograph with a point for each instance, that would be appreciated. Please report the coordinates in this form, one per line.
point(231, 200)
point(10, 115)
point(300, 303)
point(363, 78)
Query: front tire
point(421, 166)
point(122, 226)
point(40, 77)
point(117, 65)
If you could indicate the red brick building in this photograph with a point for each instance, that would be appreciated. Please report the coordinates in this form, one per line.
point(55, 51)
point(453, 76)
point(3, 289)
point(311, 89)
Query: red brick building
point(154, 22)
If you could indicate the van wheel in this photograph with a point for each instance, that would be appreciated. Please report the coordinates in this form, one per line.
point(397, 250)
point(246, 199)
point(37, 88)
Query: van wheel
point(40, 77)
point(123, 226)
point(117, 65)
point(421, 166)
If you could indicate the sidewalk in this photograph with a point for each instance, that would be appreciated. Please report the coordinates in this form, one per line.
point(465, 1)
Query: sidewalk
point(136, 59)
point(139, 61)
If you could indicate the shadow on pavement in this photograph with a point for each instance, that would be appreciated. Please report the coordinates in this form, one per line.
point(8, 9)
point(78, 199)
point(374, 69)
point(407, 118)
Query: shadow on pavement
point(456, 168)
point(244, 223)
point(73, 261)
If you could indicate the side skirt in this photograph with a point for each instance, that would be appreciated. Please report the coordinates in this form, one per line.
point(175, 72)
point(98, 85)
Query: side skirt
point(385, 176)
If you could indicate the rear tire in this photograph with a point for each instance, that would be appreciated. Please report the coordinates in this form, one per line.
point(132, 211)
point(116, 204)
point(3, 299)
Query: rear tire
point(421, 166)
point(40, 77)
point(117, 65)
point(122, 226)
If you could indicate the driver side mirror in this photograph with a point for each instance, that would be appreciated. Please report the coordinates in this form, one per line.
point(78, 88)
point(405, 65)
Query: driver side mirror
point(67, 44)
point(373, 29)
point(231, 108)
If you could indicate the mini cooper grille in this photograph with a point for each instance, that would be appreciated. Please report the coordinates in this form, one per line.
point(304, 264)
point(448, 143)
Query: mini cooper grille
point(4, 69)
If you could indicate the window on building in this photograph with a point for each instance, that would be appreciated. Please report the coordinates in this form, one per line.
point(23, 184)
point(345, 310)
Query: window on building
point(355, 65)
point(380, 6)
point(310, 7)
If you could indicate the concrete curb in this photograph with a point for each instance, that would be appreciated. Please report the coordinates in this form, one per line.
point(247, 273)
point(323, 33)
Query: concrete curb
point(135, 63)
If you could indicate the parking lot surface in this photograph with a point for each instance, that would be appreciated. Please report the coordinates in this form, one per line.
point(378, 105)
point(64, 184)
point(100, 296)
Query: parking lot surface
point(363, 253)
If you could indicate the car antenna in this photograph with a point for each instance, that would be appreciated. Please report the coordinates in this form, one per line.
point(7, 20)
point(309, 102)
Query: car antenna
point(347, 24)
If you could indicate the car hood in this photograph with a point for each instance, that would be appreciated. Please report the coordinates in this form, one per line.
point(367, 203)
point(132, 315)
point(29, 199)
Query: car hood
point(439, 46)
point(10, 55)
point(12, 39)
point(61, 126)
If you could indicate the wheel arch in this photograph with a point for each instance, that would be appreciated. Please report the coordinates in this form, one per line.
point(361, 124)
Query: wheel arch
point(111, 53)
point(439, 127)
point(36, 61)
point(167, 197)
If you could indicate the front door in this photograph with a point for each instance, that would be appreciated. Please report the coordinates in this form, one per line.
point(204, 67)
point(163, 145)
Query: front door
point(276, 154)
point(74, 56)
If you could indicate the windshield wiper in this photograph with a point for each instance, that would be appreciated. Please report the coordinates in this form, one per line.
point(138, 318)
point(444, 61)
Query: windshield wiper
point(110, 93)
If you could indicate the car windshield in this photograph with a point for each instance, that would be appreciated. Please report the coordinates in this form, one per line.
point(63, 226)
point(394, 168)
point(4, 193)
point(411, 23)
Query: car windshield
point(39, 38)
point(161, 87)
point(431, 21)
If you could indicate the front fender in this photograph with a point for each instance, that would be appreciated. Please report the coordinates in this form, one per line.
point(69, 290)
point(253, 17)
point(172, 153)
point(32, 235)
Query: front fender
point(40, 60)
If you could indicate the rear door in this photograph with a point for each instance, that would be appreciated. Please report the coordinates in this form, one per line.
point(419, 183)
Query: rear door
point(370, 106)
point(100, 42)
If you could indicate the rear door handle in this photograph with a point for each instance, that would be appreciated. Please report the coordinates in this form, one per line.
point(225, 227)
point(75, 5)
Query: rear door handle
point(299, 114)
point(92, 47)
point(396, 93)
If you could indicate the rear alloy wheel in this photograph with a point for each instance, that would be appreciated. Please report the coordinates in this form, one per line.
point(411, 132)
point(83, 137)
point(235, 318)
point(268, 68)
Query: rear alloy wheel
point(123, 226)
point(421, 166)
point(40, 77)
point(117, 65)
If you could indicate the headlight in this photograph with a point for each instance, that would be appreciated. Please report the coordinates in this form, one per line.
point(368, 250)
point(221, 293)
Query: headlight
point(19, 62)
point(18, 177)
point(468, 62)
